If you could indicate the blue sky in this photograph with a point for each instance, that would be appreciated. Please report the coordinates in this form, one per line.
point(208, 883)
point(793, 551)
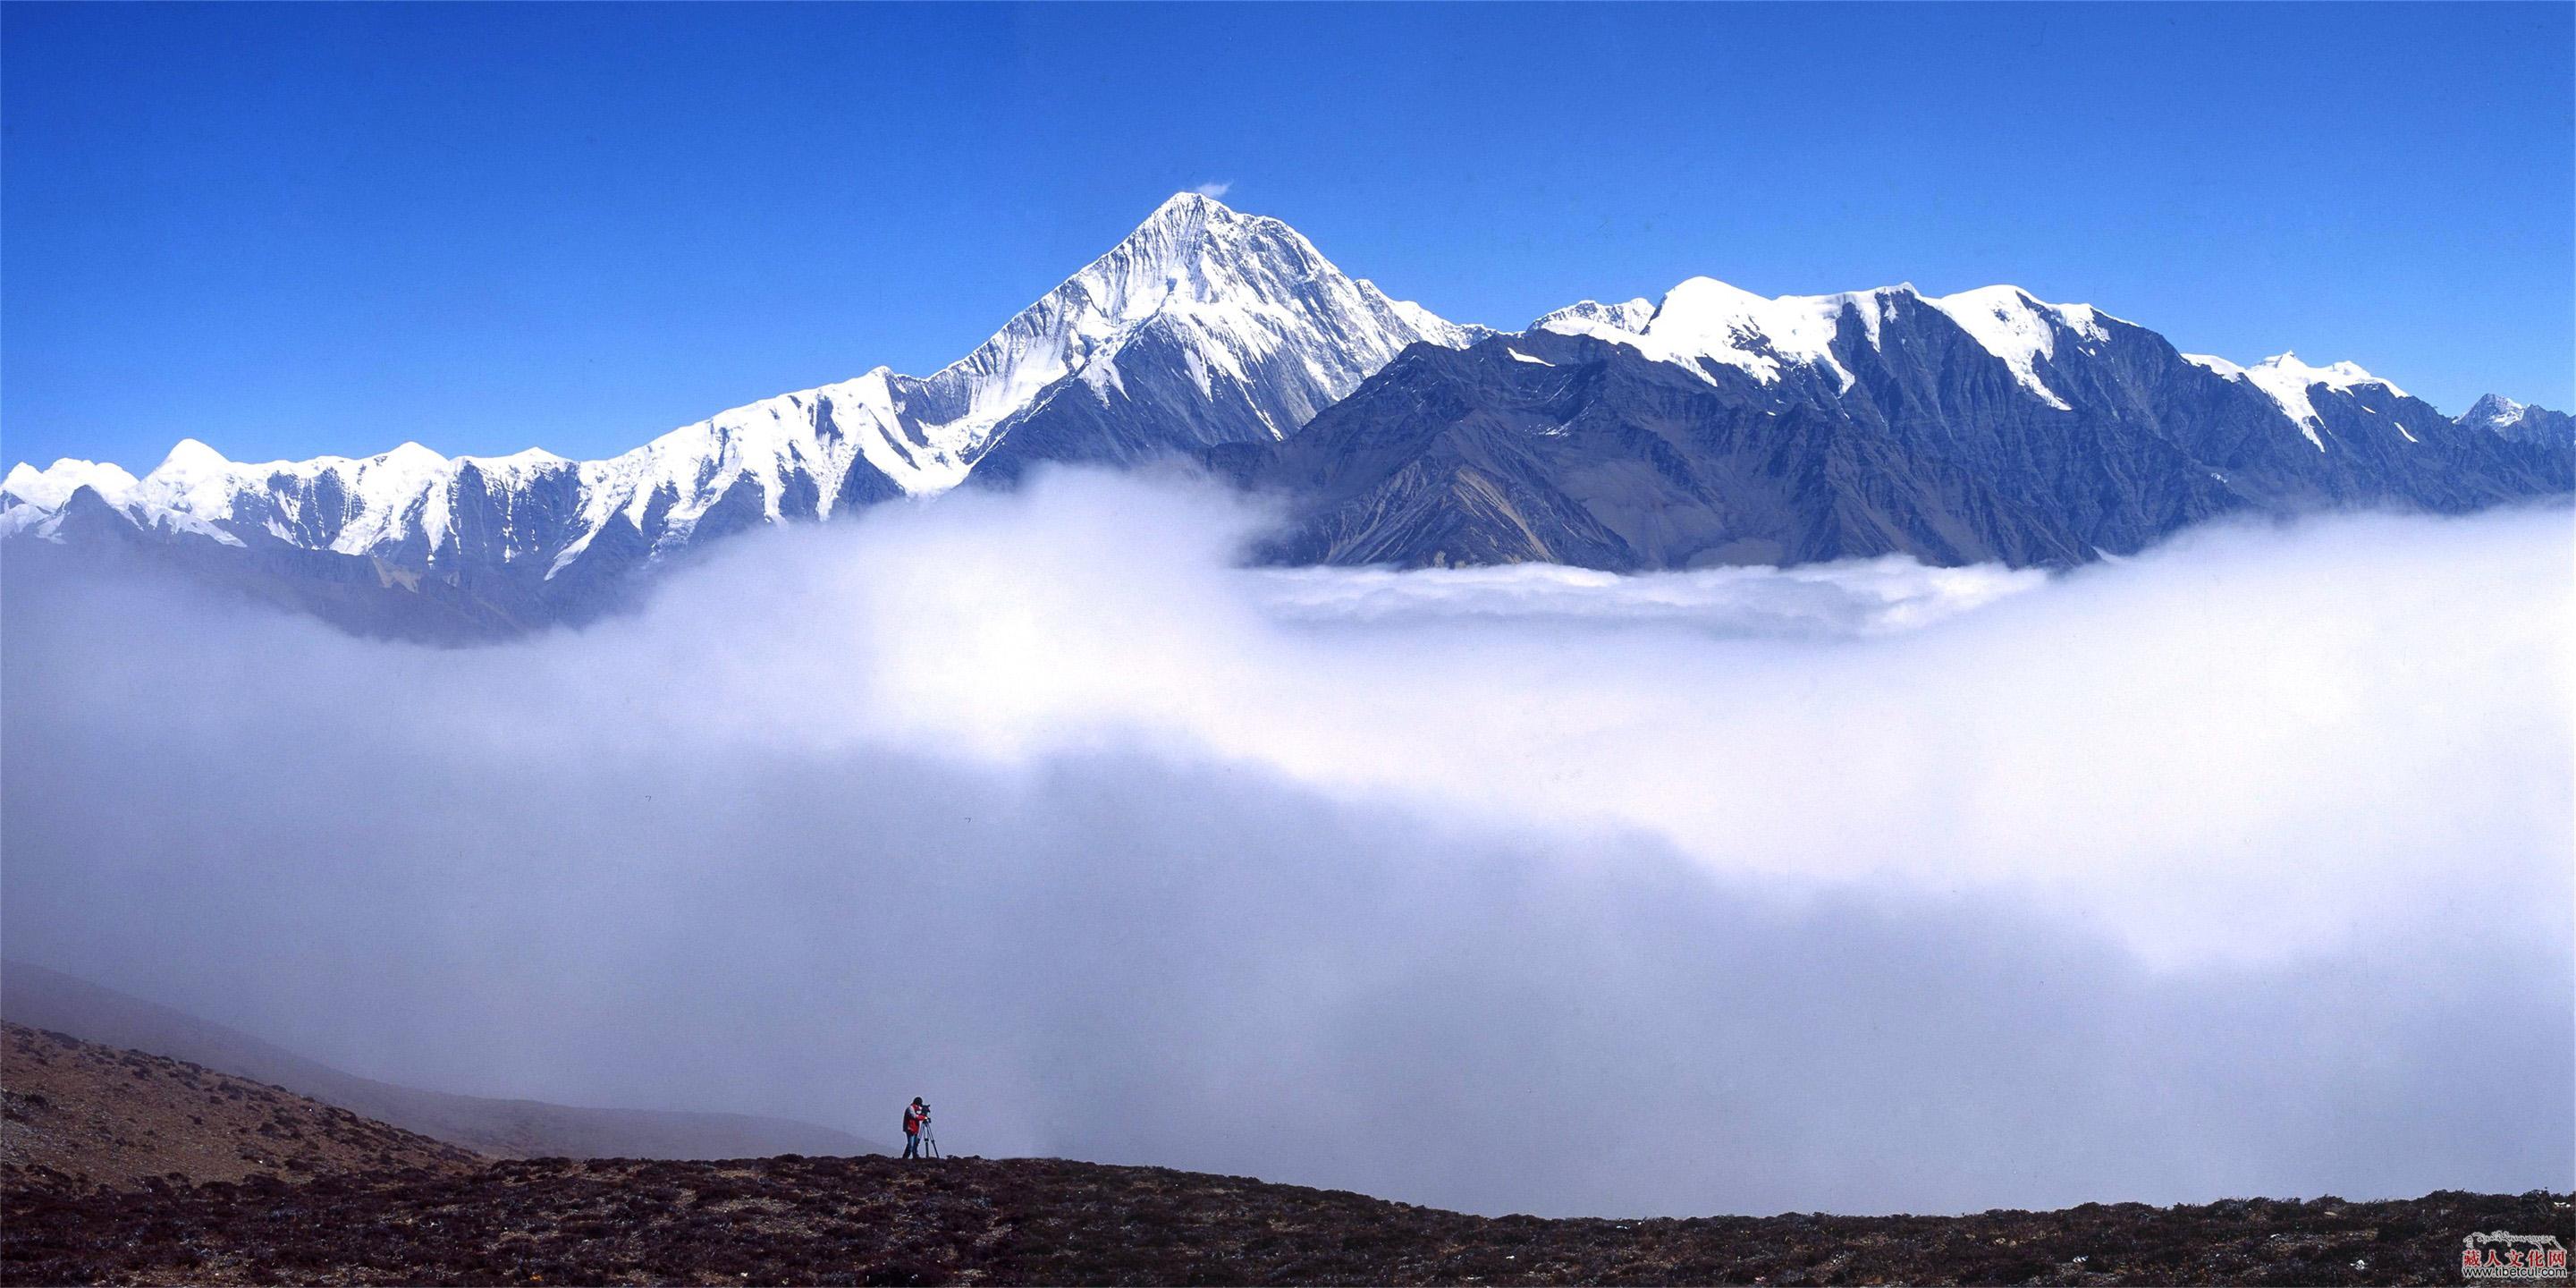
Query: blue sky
point(306, 229)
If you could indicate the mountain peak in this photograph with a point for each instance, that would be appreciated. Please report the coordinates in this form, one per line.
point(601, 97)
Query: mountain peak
point(1190, 226)
point(1703, 320)
point(2019, 328)
point(1239, 294)
point(1190, 206)
point(2494, 410)
point(2286, 381)
point(190, 457)
point(1583, 315)
point(54, 486)
point(411, 455)
point(1176, 244)
point(2334, 375)
point(2520, 422)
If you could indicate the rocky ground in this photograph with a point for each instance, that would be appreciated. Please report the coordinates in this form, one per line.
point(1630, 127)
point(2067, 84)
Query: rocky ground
point(874, 1220)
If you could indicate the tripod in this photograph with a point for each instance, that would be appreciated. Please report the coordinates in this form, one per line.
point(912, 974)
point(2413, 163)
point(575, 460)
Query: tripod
point(929, 1141)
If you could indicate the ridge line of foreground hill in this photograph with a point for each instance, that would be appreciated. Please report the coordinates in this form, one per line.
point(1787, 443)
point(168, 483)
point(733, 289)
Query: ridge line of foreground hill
point(874, 1220)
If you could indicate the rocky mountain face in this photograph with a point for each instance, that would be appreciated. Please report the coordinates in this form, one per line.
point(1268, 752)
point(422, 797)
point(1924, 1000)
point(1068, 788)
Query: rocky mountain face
point(1714, 426)
point(1202, 327)
point(1718, 427)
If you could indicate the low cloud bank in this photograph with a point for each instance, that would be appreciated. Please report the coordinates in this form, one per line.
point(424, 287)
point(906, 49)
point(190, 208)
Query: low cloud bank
point(1815, 602)
point(2240, 867)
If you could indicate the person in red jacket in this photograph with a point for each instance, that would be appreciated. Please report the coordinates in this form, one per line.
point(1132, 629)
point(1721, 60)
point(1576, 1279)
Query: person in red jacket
point(915, 1116)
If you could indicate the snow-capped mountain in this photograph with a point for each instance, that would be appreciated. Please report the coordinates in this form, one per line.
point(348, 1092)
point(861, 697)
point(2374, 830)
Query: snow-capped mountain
point(1713, 425)
point(1720, 426)
point(1704, 321)
point(1203, 326)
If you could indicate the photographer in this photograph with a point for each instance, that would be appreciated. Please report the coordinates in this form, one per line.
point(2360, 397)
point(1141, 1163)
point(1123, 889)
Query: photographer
point(916, 1116)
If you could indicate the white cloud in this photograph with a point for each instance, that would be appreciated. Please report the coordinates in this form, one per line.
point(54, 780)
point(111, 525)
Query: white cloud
point(2201, 728)
point(1870, 597)
point(1216, 188)
point(1867, 887)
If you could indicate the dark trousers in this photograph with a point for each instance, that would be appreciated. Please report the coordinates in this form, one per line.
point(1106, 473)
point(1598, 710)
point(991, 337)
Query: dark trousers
point(912, 1144)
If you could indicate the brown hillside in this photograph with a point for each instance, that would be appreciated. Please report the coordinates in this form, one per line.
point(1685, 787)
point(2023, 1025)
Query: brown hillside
point(47, 999)
point(99, 1115)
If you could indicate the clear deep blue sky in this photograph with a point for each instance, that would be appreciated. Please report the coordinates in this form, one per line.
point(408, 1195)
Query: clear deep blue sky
point(311, 229)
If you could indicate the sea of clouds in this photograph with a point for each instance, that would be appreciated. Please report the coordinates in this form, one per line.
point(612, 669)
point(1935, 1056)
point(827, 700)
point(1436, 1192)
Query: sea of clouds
point(2243, 866)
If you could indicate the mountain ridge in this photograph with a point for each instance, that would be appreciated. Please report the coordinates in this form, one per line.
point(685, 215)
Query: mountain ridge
point(1215, 297)
point(1720, 428)
point(1983, 424)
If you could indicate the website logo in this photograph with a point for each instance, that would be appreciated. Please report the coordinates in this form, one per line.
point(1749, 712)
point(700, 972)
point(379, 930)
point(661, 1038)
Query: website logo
point(2519, 1258)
